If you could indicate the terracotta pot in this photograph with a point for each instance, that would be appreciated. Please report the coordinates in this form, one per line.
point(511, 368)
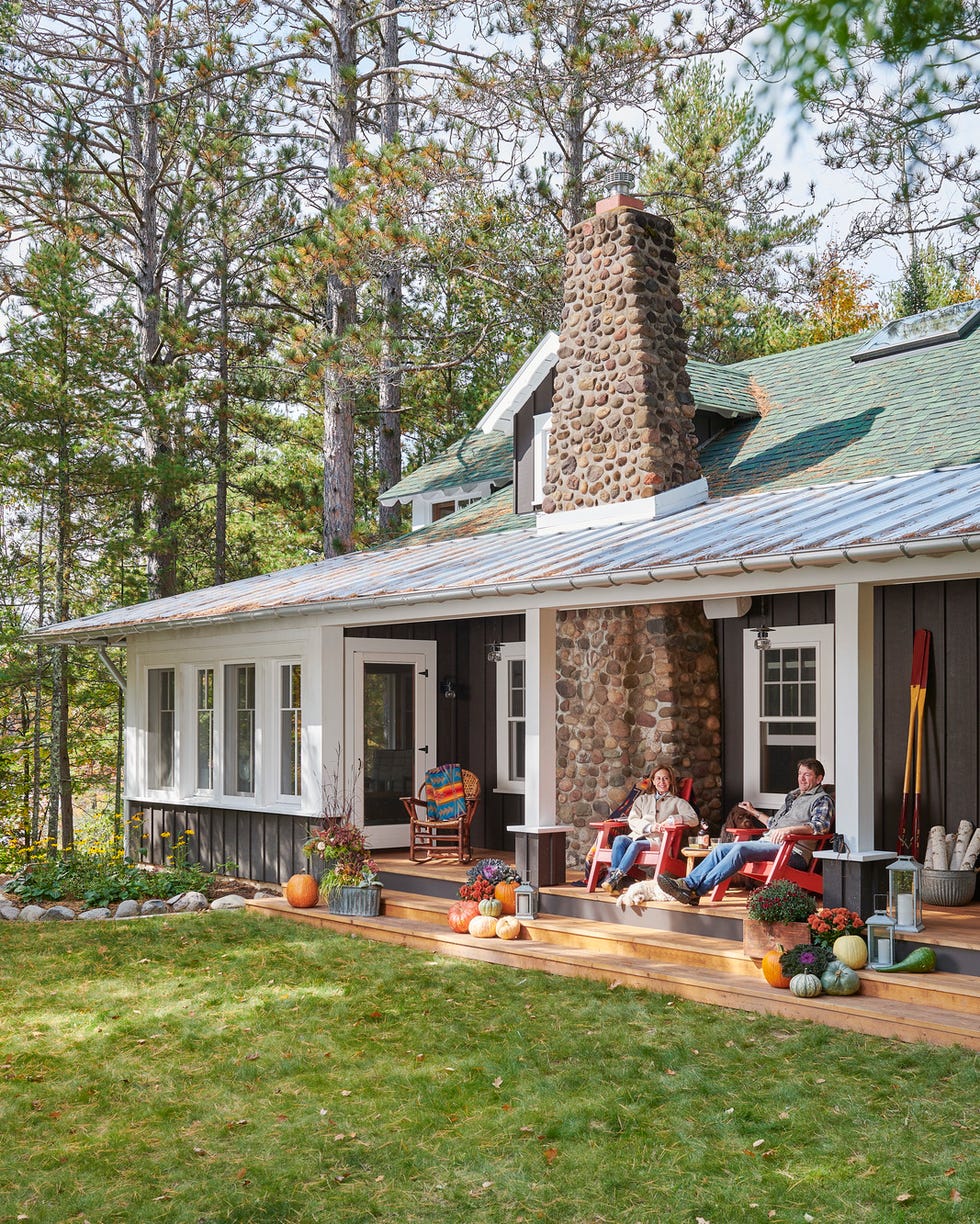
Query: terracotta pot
point(758, 937)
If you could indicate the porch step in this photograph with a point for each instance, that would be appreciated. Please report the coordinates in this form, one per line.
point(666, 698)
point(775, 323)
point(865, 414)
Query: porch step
point(940, 1008)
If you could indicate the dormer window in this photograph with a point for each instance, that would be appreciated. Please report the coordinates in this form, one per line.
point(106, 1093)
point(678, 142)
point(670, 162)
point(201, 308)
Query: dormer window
point(921, 330)
point(542, 432)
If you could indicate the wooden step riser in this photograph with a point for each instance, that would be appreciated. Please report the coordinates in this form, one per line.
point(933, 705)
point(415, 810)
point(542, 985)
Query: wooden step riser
point(955, 992)
point(863, 1014)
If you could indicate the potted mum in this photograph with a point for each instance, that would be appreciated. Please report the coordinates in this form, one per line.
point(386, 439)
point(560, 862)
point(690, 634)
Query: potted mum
point(490, 879)
point(828, 925)
point(349, 883)
point(777, 917)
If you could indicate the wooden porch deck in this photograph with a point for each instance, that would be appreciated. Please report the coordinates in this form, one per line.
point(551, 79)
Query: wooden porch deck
point(694, 954)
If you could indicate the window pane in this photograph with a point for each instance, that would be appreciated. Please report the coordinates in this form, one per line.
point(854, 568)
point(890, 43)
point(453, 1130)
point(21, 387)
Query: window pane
point(517, 740)
point(389, 741)
point(290, 730)
point(160, 727)
point(240, 724)
point(205, 728)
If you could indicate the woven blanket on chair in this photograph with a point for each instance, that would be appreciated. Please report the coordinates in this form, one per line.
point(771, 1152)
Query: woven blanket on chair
point(444, 795)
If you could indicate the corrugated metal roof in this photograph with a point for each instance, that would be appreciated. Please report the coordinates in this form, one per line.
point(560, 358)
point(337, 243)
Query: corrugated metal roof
point(731, 534)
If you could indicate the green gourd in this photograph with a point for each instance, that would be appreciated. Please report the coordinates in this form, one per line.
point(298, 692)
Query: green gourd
point(840, 979)
point(805, 985)
point(922, 960)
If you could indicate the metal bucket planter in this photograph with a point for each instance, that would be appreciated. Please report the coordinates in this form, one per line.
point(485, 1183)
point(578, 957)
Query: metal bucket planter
point(355, 901)
point(948, 887)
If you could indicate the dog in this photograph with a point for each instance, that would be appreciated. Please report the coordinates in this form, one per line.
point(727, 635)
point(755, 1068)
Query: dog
point(740, 818)
point(640, 891)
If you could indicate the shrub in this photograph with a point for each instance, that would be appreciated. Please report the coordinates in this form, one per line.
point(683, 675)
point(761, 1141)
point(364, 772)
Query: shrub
point(781, 901)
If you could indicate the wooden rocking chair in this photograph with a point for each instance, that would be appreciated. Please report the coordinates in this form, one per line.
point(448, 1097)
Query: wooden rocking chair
point(449, 837)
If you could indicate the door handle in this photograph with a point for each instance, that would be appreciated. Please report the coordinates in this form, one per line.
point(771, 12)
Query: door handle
point(424, 748)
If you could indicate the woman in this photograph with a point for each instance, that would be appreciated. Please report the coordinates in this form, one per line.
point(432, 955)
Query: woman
point(652, 812)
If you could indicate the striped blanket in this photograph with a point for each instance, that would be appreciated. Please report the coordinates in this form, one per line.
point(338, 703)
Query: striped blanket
point(444, 796)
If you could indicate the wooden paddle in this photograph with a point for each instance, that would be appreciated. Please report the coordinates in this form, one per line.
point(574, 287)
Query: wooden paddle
point(920, 671)
point(920, 719)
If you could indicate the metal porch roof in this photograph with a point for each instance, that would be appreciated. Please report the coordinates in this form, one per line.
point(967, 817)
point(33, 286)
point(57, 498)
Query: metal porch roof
point(933, 511)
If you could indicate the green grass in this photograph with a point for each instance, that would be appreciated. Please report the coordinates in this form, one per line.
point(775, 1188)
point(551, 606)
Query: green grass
point(232, 1068)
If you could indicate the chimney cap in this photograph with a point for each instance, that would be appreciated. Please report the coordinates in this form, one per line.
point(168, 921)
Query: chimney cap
point(619, 182)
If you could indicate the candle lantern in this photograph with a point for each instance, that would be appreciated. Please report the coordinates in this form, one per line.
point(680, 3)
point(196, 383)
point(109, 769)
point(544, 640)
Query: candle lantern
point(526, 901)
point(880, 933)
point(904, 895)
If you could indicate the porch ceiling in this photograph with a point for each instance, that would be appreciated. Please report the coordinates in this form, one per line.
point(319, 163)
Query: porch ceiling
point(919, 514)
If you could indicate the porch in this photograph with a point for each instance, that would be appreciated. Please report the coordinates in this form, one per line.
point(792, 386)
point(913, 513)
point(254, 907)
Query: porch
point(672, 949)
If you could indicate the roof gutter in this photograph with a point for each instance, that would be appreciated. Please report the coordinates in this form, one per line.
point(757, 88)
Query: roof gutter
point(103, 635)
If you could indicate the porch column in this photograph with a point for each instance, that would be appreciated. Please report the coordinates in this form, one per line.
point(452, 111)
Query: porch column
point(539, 841)
point(853, 879)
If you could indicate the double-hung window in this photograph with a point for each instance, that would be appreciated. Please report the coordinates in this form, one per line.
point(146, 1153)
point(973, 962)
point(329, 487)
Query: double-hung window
point(161, 727)
point(290, 729)
point(789, 708)
point(204, 713)
point(511, 717)
point(239, 706)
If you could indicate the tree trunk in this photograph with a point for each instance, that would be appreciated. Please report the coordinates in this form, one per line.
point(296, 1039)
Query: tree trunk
point(390, 380)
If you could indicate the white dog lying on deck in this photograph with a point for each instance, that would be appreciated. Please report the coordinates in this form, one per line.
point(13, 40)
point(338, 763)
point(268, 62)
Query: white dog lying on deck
point(640, 891)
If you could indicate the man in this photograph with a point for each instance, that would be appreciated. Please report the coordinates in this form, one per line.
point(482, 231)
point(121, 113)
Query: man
point(809, 809)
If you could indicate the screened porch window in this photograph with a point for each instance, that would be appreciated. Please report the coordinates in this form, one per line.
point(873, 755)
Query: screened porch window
point(161, 727)
point(240, 729)
point(205, 728)
point(290, 729)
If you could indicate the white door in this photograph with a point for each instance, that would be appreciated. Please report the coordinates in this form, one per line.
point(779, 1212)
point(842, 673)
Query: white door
point(391, 726)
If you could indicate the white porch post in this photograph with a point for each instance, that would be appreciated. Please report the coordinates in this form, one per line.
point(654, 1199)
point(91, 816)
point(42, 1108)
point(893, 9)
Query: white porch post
point(539, 842)
point(854, 723)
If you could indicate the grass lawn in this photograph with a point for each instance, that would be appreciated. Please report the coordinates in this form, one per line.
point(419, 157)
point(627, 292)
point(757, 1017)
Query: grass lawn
point(226, 1067)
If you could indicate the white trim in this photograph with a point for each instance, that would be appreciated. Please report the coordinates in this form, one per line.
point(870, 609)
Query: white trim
point(540, 799)
point(854, 684)
point(500, 415)
point(822, 638)
point(640, 510)
point(539, 456)
point(504, 784)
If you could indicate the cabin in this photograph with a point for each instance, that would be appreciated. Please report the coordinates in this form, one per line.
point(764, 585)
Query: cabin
point(634, 557)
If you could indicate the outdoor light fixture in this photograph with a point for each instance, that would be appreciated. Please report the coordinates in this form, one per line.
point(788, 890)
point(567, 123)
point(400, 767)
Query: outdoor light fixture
point(493, 652)
point(448, 688)
point(904, 897)
point(762, 639)
point(526, 901)
point(880, 934)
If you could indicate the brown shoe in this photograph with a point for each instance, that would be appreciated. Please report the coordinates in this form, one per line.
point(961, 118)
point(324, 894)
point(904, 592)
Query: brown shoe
point(677, 889)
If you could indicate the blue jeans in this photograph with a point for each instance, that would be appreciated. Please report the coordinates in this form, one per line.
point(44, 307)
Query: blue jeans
point(625, 851)
point(726, 860)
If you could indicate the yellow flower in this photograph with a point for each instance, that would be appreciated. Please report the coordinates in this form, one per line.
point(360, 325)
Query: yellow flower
point(164, 834)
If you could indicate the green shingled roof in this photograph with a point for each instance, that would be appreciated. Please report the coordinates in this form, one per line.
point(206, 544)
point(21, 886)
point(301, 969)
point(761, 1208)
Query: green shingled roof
point(473, 459)
point(723, 389)
point(825, 418)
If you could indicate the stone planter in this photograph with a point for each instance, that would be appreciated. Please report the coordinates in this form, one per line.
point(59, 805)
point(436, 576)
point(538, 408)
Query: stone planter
point(355, 901)
point(758, 937)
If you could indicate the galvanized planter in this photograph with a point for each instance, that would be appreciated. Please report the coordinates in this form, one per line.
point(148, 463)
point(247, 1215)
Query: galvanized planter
point(948, 887)
point(355, 901)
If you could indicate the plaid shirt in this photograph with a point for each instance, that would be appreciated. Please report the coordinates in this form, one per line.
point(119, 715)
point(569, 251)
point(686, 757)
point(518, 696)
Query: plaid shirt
point(814, 807)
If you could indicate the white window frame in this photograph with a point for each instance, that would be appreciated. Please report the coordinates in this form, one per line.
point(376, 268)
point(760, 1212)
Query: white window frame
point(158, 717)
point(229, 742)
point(539, 456)
point(822, 638)
point(509, 651)
point(195, 673)
point(280, 666)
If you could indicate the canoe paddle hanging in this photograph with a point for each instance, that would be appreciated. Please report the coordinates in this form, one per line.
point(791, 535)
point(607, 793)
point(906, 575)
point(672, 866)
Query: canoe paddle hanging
point(908, 831)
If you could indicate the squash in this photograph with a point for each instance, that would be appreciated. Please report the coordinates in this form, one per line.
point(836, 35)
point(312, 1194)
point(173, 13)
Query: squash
point(504, 892)
point(922, 960)
point(851, 950)
point(483, 926)
point(491, 907)
point(460, 913)
point(508, 927)
point(301, 891)
point(772, 971)
point(840, 979)
point(805, 985)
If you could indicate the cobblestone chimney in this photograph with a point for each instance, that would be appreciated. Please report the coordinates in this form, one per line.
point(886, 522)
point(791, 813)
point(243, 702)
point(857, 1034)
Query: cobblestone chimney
point(622, 424)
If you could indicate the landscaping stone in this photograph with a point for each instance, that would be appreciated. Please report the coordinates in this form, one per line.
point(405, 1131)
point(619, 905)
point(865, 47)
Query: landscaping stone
point(188, 902)
point(231, 902)
point(93, 914)
point(153, 906)
point(9, 913)
point(58, 913)
point(31, 913)
point(128, 909)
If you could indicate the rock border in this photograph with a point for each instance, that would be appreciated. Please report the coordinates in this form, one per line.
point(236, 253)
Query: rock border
point(182, 903)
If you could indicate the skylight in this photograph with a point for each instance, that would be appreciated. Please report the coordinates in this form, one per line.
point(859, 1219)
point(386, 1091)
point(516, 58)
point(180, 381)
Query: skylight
point(917, 331)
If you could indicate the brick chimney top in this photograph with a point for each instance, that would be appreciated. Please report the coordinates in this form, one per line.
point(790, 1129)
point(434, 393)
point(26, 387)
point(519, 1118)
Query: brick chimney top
point(619, 185)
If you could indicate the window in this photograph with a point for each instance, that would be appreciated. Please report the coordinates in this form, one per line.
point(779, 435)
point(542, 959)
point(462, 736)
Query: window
point(542, 434)
point(290, 730)
point(920, 330)
point(511, 716)
point(205, 728)
point(240, 729)
point(160, 728)
point(789, 707)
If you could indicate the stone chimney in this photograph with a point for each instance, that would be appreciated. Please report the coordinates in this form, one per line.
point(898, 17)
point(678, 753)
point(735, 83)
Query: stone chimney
point(622, 422)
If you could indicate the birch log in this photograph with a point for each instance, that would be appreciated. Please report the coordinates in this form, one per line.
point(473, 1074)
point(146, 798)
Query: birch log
point(972, 853)
point(963, 835)
point(936, 858)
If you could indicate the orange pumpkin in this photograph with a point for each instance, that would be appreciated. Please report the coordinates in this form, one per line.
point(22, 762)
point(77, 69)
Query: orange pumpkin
point(302, 891)
point(772, 971)
point(460, 913)
point(504, 893)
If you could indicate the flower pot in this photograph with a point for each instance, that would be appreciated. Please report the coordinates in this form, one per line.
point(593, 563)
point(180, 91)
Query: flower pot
point(355, 901)
point(758, 937)
point(948, 887)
